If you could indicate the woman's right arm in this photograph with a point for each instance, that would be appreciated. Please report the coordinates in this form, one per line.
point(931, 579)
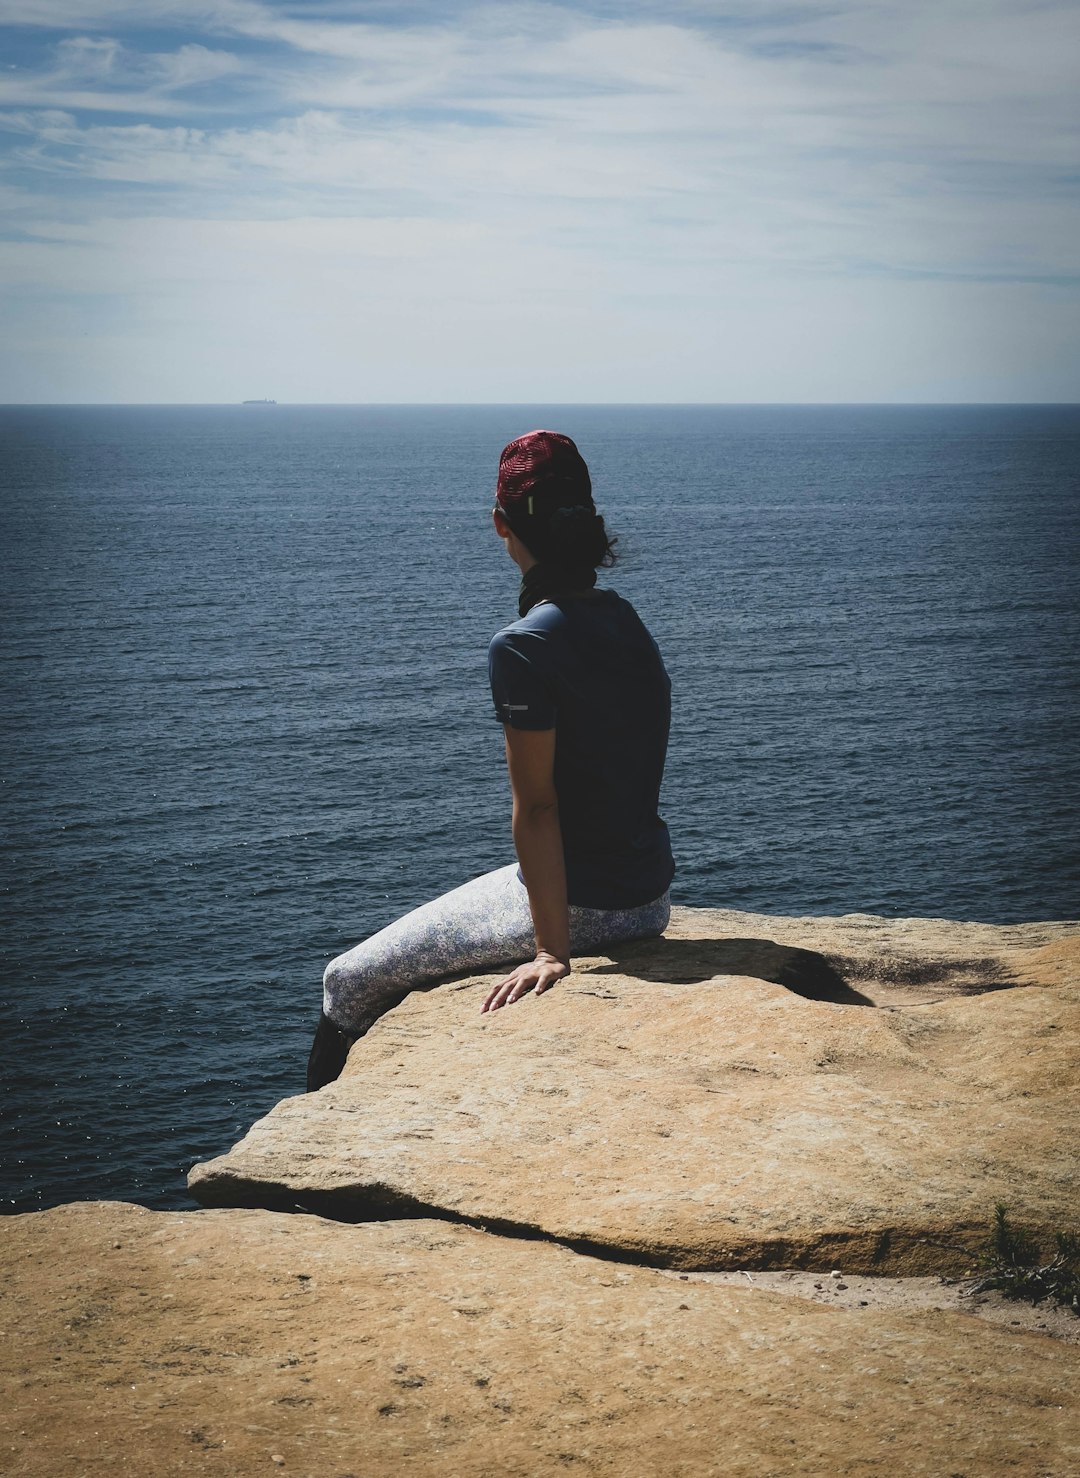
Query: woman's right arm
point(530, 758)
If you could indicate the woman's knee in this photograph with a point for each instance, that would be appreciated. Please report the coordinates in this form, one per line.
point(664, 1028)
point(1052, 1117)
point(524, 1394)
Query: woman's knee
point(340, 990)
point(358, 987)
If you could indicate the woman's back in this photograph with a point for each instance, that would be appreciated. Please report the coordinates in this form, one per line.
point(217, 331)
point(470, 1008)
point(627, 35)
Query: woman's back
point(586, 666)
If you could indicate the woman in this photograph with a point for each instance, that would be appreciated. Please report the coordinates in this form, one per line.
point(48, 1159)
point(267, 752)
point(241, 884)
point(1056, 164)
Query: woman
point(584, 700)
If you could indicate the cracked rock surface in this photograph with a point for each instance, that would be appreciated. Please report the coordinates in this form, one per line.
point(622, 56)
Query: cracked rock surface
point(749, 1091)
point(236, 1343)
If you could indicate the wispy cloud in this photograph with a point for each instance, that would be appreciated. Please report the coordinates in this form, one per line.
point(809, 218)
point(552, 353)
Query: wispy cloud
point(100, 74)
point(660, 155)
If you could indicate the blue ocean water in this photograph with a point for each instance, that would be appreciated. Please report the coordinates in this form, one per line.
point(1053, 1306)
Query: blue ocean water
point(245, 719)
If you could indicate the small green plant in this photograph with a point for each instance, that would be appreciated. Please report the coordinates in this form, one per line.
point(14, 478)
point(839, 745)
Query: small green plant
point(1013, 1261)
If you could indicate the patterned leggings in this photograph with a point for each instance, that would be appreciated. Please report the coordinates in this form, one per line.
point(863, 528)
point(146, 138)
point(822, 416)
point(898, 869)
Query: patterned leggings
point(481, 925)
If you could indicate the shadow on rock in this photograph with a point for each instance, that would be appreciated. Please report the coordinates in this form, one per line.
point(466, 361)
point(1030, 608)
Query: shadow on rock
point(691, 961)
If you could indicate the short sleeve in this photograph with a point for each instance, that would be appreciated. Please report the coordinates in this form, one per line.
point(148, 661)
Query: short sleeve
point(522, 697)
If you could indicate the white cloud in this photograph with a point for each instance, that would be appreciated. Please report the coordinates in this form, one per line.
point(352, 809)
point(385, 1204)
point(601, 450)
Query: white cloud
point(99, 74)
point(672, 177)
point(88, 14)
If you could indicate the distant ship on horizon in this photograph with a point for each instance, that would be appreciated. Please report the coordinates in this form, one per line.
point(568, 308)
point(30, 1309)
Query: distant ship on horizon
point(258, 402)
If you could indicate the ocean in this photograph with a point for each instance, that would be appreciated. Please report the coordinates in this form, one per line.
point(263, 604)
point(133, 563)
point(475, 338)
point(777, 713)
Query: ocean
point(246, 723)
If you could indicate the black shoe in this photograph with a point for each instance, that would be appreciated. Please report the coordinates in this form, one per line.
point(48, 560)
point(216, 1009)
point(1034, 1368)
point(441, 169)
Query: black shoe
point(328, 1054)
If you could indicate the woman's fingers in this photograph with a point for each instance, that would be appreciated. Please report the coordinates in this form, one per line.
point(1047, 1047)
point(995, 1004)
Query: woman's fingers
point(537, 976)
point(506, 991)
point(495, 996)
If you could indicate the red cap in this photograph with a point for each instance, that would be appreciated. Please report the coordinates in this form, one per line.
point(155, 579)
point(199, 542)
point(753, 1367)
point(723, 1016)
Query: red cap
point(545, 467)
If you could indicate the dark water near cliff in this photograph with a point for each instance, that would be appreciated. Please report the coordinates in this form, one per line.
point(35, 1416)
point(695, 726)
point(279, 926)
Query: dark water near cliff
point(245, 719)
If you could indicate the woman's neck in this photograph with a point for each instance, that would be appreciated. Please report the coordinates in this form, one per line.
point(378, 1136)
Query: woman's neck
point(544, 582)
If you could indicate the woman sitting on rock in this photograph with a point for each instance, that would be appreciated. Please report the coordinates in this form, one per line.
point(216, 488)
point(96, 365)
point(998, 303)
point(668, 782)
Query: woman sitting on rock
point(584, 700)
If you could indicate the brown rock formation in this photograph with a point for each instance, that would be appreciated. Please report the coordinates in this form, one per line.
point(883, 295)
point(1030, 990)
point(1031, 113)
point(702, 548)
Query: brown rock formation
point(747, 1092)
point(237, 1343)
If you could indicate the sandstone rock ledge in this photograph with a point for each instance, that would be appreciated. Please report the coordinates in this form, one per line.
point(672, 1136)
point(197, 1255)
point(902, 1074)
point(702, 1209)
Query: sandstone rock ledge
point(749, 1091)
point(238, 1343)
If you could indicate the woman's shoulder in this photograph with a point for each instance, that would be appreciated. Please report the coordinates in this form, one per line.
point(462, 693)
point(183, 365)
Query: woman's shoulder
point(573, 615)
point(525, 636)
point(542, 617)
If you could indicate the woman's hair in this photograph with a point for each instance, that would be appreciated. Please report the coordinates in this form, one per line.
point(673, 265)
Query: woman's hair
point(545, 493)
point(570, 535)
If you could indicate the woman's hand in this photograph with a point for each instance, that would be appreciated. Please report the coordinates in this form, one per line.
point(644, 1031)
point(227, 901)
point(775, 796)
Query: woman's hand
point(536, 975)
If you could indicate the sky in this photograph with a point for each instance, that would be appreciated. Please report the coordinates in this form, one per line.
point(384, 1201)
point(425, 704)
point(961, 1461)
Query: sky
point(319, 201)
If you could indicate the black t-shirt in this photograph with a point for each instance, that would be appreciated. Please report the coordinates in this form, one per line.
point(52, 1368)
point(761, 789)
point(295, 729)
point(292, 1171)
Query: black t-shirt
point(586, 666)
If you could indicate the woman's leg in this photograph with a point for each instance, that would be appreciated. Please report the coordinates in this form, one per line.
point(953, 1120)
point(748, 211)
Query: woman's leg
point(593, 929)
point(484, 923)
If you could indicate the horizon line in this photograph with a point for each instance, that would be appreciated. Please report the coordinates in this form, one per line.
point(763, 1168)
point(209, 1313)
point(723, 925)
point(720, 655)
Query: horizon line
point(503, 404)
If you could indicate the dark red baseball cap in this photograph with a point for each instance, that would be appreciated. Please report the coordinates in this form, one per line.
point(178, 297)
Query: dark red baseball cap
point(542, 470)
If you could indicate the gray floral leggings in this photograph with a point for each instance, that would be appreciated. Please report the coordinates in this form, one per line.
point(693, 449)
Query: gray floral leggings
point(481, 925)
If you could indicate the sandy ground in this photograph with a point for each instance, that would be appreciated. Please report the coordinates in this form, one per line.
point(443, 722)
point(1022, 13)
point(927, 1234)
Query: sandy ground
point(872, 1294)
point(237, 1343)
